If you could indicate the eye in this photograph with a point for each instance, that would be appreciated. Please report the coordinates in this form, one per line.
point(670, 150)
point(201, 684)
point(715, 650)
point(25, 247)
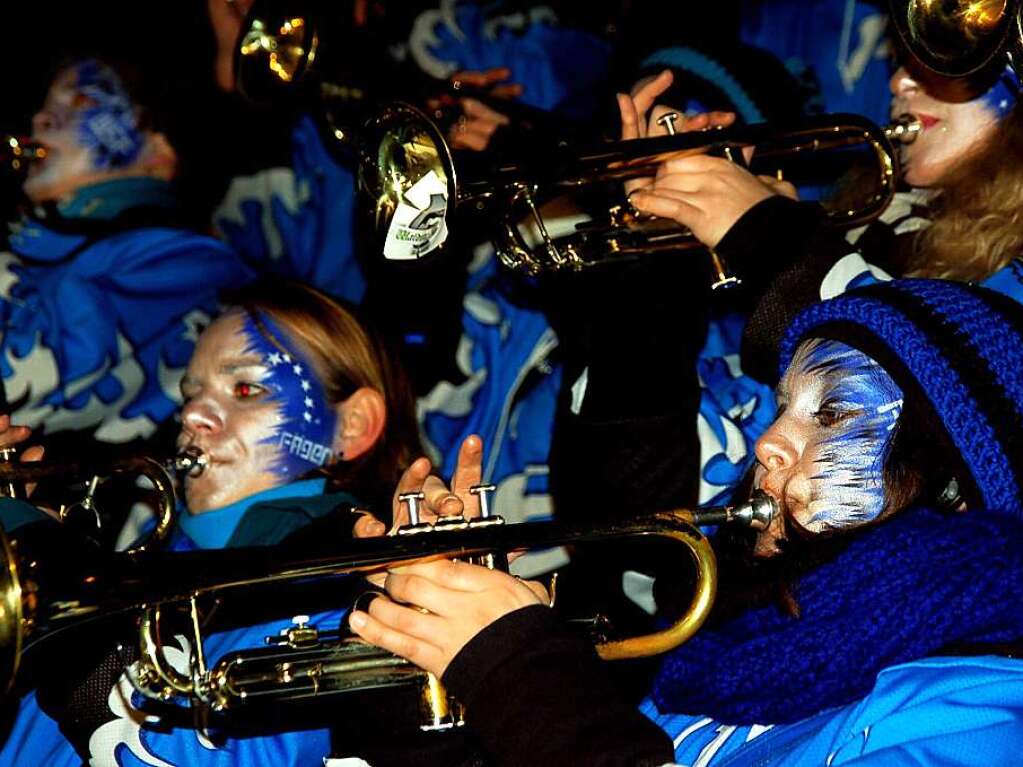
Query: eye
point(248, 390)
point(829, 417)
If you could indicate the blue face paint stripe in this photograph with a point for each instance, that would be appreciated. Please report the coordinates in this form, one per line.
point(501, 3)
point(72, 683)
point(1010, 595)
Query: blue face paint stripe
point(305, 436)
point(109, 127)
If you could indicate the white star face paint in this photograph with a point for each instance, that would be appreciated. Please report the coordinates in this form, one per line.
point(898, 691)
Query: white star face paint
point(245, 407)
point(824, 455)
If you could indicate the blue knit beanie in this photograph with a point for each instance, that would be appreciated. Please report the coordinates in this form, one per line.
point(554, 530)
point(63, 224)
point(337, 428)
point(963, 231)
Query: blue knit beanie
point(958, 346)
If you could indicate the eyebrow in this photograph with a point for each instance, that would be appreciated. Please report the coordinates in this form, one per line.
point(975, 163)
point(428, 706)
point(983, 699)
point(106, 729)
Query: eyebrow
point(241, 363)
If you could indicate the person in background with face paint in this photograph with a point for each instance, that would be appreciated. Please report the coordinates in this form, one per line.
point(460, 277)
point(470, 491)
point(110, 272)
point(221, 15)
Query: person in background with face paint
point(959, 219)
point(873, 623)
point(106, 288)
point(304, 418)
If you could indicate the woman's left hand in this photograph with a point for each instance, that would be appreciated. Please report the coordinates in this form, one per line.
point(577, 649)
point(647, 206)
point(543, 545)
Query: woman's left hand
point(460, 600)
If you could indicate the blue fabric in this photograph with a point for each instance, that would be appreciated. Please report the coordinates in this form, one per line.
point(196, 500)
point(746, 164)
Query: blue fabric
point(96, 333)
point(970, 406)
point(937, 712)
point(297, 222)
point(947, 578)
point(838, 47)
point(559, 68)
point(136, 736)
point(213, 529)
point(107, 200)
point(1008, 280)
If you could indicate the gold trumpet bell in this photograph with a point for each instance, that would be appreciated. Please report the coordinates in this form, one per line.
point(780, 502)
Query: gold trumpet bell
point(956, 38)
point(276, 49)
point(408, 178)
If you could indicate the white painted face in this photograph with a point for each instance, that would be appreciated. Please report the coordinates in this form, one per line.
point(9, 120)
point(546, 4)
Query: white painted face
point(88, 126)
point(950, 130)
point(259, 414)
point(822, 459)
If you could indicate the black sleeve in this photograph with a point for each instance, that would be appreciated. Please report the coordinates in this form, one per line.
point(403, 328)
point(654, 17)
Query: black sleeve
point(534, 695)
point(635, 333)
point(782, 250)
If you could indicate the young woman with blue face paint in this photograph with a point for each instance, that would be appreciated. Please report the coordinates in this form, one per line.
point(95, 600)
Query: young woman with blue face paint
point(283, 388)
point(887, 651)
point(968, 155)
point(304, 419)
point(93, 131)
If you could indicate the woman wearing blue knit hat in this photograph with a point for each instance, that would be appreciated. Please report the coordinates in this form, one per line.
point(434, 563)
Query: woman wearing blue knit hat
point(872, 624)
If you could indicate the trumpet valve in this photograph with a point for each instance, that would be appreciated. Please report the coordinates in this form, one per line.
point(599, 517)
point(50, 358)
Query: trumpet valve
point(483, 493)
point(667, 121)
point(412, 501)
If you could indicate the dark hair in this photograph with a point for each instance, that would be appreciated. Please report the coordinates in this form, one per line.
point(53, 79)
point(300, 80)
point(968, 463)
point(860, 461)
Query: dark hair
point(347, 355)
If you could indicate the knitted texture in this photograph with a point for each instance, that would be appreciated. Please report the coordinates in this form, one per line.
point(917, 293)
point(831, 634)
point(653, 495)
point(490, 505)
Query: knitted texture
point(900, 591)
point(962, 347)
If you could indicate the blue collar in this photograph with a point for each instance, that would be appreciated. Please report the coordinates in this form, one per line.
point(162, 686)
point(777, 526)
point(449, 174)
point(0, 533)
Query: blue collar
point(213, 529)
point(107, 200)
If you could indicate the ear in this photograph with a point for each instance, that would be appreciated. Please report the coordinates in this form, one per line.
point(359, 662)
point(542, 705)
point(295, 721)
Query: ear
point(360, 423)
point(158, 158)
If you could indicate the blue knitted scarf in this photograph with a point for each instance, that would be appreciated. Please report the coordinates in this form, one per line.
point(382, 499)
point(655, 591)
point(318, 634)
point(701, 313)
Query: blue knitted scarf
point(900, 591)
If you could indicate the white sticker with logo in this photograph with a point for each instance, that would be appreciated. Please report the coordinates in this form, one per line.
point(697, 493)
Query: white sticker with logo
point(418, 226)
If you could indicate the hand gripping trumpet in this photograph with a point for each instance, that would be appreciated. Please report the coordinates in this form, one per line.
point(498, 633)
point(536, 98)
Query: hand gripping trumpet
point(49, 584)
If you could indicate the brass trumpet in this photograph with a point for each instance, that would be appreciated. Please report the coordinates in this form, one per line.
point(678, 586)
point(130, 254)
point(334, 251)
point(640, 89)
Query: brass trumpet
point(286, 45)
point(40, 597)
point(413, 186)
point(16, 152)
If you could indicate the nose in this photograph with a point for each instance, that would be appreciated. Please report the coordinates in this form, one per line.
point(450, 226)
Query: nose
point(774, 451)
point(902, 84)
point(42, 121)
point(200, 416)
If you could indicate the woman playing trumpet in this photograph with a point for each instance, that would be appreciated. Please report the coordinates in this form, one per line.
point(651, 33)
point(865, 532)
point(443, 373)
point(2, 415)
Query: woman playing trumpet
point(302, 418)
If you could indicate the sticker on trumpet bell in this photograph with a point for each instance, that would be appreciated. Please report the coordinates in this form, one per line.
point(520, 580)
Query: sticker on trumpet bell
point(418, 226)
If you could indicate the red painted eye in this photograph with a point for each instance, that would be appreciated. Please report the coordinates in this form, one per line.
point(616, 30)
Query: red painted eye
point(245, 390)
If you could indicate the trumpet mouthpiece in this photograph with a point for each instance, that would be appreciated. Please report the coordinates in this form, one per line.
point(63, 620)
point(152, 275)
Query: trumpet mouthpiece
point(191, 462)
point(758, 511)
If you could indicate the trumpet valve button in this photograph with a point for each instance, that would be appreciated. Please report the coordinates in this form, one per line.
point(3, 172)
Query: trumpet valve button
point(483, 493)
point(412, 500)
point(667, 121)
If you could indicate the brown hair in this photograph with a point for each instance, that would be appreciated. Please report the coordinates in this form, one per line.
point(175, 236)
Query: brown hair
point(978, 216)
point(347, 356)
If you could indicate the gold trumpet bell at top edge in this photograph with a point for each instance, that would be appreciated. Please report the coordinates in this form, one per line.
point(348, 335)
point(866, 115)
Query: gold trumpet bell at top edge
point(957, 37)
point(275, 50)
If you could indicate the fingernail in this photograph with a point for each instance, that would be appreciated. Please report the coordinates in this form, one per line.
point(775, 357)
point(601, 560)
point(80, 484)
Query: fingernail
point(357, 620)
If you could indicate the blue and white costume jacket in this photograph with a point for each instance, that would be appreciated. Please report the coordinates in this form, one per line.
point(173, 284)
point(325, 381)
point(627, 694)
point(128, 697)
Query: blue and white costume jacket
point(134, 736)
point(840, 48)
point(935, 711)
point(98, 327)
